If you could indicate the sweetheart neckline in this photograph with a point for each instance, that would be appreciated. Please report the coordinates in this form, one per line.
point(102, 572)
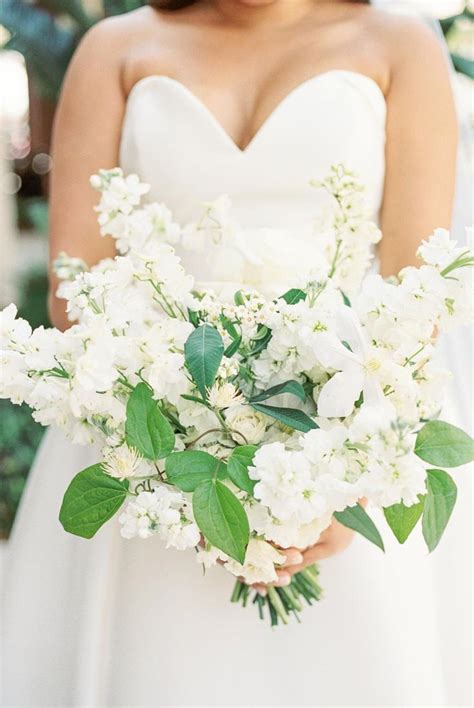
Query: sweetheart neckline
point(270, 117)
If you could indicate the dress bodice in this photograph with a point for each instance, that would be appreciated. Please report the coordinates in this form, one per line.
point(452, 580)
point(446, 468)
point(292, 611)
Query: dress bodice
point(174, 143)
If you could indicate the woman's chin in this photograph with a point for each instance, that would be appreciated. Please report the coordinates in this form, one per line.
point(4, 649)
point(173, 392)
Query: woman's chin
point(256, 3)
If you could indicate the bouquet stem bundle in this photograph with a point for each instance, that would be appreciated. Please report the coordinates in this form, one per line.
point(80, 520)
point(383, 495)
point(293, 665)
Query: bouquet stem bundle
point(282, 602)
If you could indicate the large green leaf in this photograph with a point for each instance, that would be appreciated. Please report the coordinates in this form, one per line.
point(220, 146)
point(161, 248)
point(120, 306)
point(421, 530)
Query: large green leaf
point(238, 467)
point(146, 428)
point(439, 504)
point(203, 352)
point(293, 387)
point(187, 469)
point(357, 519)
point(443, 444)
point(221, 518)
point(91, 499)
point(292, 417)
point(403, 519)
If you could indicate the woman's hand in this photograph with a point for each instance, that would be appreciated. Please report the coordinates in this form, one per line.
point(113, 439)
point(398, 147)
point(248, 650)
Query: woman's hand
point(335, 539)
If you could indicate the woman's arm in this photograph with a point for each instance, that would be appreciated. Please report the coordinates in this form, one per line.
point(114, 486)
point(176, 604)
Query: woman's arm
point(422, 135)
point(86, 137)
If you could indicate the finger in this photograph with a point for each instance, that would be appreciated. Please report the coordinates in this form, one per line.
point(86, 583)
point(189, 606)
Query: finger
point(293, 557)
point(260, 588)
point(284, 578)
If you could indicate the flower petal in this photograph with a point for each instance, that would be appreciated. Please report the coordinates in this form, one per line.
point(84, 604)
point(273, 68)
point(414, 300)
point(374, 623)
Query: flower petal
point(338, 396)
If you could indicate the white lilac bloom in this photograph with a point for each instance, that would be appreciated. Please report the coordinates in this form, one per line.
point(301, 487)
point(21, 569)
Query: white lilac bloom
point(260, 561)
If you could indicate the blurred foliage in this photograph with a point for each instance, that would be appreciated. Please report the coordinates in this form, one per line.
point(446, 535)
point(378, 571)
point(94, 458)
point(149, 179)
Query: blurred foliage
point(20, 435)
point(459, 33)
point(33, 214)
point(47, 32)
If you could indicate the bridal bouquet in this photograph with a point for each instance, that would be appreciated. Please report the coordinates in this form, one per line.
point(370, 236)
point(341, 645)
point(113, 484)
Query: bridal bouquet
point(239, 422)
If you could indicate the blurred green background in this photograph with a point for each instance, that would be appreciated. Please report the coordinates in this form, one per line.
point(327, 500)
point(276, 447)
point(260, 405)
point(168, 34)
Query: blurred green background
point(37, 40)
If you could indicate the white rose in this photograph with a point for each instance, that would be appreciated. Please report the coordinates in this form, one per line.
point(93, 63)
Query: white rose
point(247, 424)
point(259, 565)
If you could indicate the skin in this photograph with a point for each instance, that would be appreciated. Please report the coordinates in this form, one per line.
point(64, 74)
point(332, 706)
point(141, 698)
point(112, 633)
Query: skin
point(240, 58)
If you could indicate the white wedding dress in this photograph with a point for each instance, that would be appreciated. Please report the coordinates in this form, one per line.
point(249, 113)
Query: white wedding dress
point(111, 622)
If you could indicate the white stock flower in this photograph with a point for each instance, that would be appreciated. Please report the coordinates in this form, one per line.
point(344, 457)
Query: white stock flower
point(284, 483)
point(439, 250)
point(161, 511)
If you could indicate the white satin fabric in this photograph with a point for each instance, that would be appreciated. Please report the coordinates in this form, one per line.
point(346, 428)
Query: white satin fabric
point(111, 622)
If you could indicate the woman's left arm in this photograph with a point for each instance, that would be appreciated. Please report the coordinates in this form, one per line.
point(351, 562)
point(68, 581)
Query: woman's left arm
point(421, 148)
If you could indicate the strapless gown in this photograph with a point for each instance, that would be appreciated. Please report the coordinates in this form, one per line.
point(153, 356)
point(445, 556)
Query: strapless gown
point(111, 622)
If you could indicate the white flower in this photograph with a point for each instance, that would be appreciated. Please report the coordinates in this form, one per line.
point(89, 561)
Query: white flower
point(357, 369)
point(210, 555)
point(122, 462)
point(13, 331)
point(439, 250)
point(286, 534)
point(161, 511)
point(247, 425)
point(66, 267)
point(223, 395)
point(284, 483)
point(140, 517)
point(259, 566)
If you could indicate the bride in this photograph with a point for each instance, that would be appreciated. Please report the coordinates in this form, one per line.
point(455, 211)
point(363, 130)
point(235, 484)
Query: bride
point(252, 98)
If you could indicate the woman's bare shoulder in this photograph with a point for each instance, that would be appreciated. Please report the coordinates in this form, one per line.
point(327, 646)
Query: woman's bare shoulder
point(108, 48)
point(408, 43)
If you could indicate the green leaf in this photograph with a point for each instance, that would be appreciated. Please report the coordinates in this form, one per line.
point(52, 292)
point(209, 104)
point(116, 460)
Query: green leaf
point(91, 499)
point(293, 387)
point(443, 444)
point(291, 297)
point(439, 504)
point(403, 519)
point(233, 347)
point(146, 428)
point(221, 518)
point(239, 298)
point(238, 467)
point(229, 326)
point(203, 352)
point(187, 469)
point(292, 417)
point(357, 519)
